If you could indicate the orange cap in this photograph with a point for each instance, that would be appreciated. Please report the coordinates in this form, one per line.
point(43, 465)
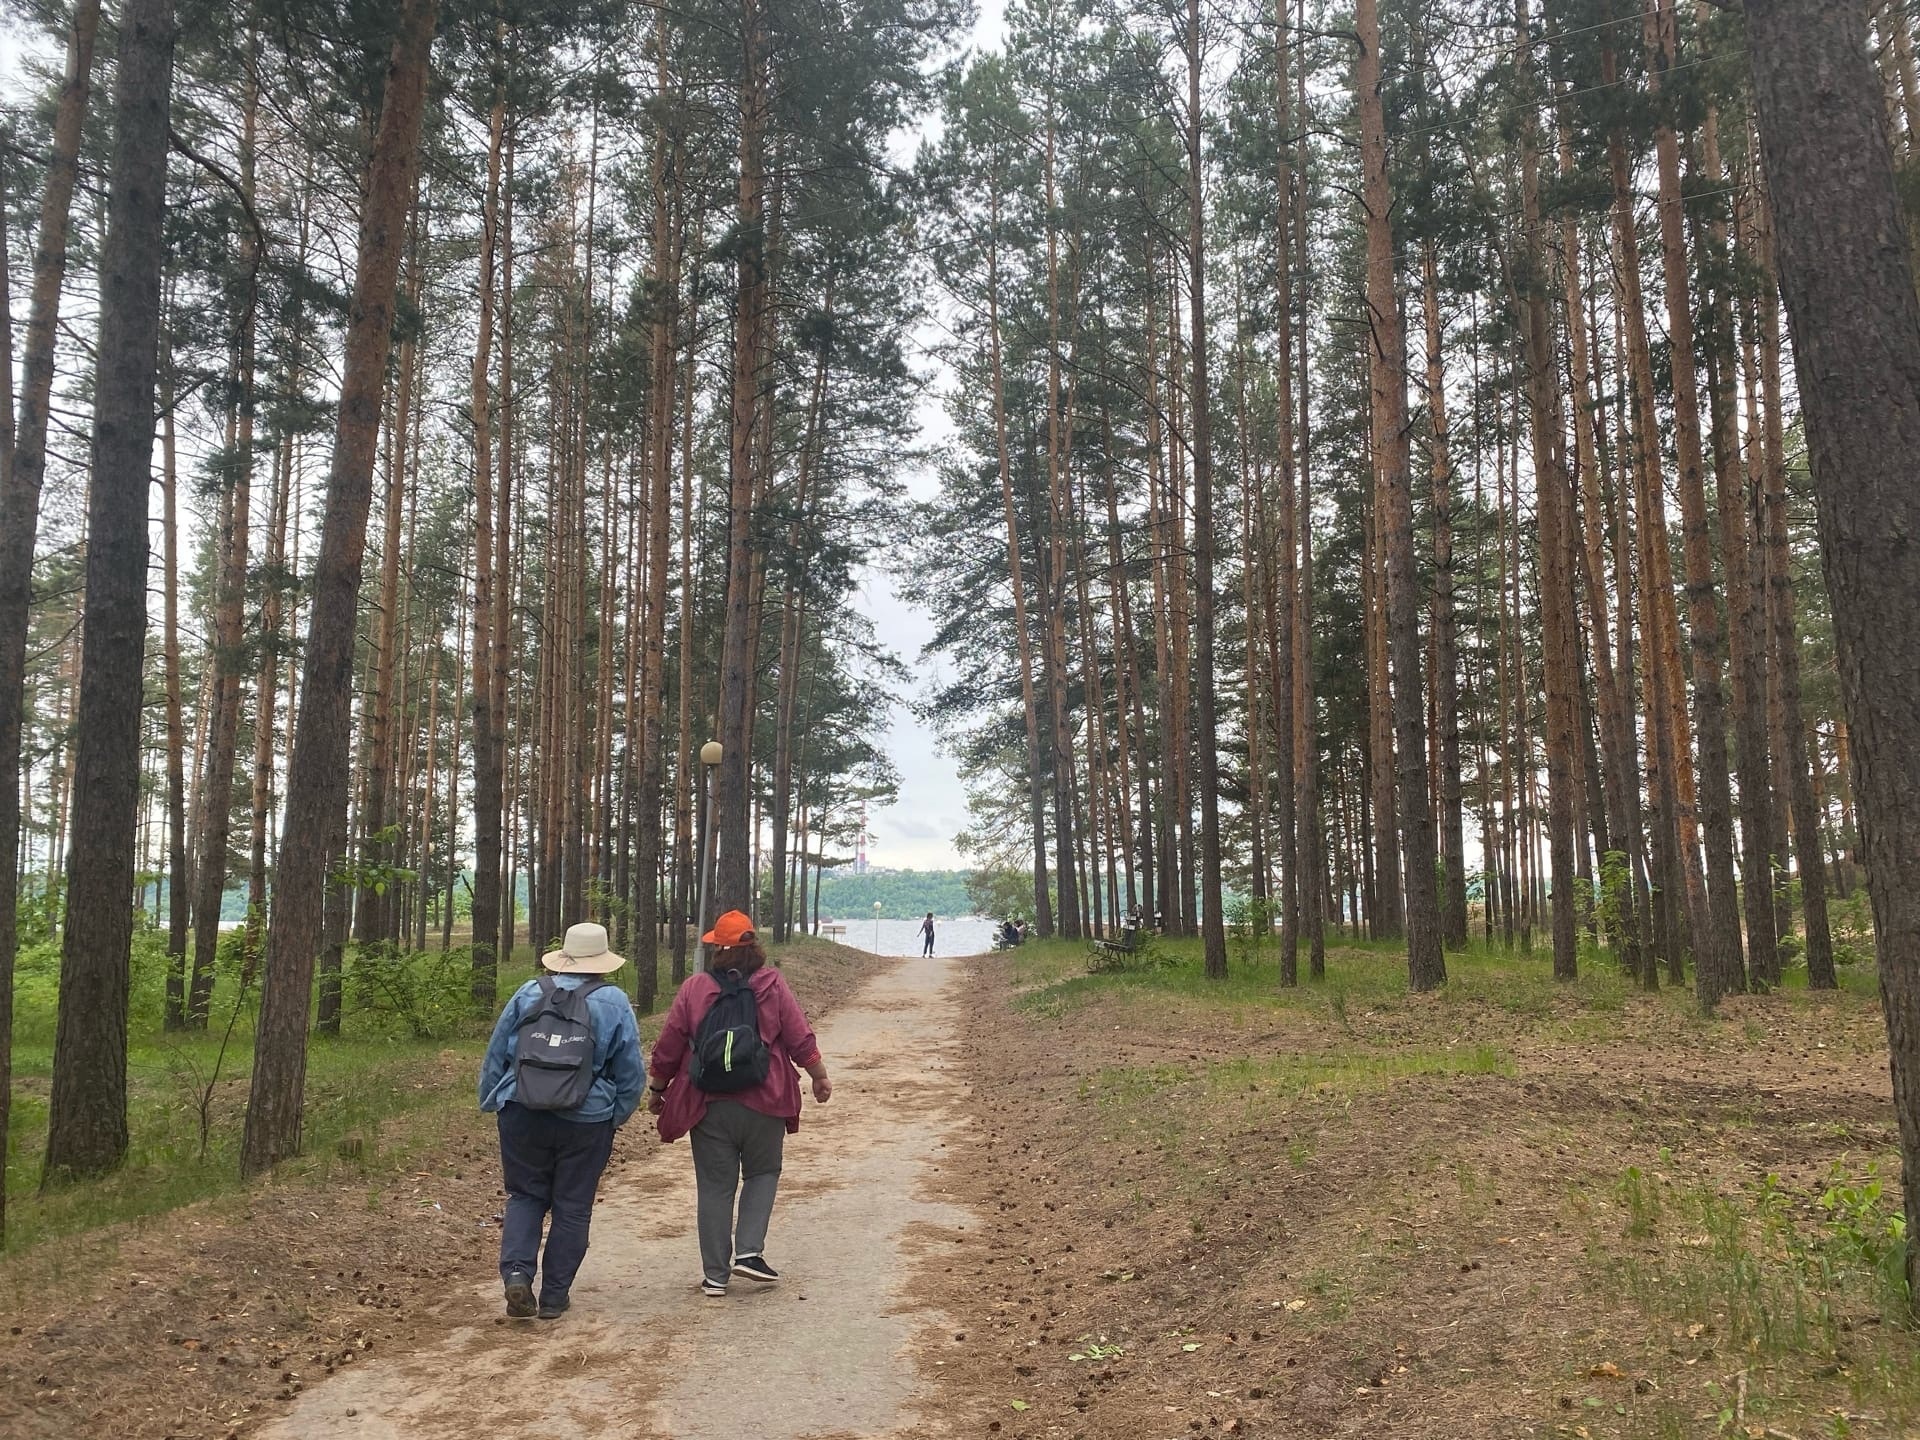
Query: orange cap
point(732, 928)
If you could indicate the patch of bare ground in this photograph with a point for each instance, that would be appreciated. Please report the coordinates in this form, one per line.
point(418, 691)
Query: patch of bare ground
point(204, 1321)
point(1503, 1210)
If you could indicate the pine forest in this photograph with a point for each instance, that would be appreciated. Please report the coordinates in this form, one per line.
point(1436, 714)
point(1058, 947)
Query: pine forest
point(1418, 481)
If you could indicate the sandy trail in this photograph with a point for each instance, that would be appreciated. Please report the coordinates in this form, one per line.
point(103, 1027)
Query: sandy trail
point(827, 1353)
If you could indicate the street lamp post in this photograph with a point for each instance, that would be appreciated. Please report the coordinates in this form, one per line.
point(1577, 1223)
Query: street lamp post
point(876, 927)
point(710, 757)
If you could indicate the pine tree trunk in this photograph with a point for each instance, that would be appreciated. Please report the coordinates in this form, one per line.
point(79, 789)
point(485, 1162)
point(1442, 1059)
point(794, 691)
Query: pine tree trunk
point(317, 769)
point(1446, 684)
point(1054, 581)
point(87, 1113)
point(733, 881)
point(1675, 867)
point(1426, 965)
point(179, 885)
point(1746, 644)
point(1856, 332)
point(267, 677)
point(668, 242)
point(1721, 968)
point(373, 908)
point(505, 566)
point(1620, 770)
point(1808, 831)
point(489, 752)
point(22, 471)
point(1312, 856)
point(1559, 643)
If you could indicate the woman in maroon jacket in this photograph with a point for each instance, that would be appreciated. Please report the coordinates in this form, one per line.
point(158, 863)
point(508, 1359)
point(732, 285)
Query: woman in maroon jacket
point(737, 1139)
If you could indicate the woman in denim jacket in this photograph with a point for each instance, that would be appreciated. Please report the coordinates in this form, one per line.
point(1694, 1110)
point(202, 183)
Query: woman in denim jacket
point(552, 1159)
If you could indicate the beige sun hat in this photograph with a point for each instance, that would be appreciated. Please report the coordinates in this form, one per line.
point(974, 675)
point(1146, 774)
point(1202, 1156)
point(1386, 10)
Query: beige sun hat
point(583, 952)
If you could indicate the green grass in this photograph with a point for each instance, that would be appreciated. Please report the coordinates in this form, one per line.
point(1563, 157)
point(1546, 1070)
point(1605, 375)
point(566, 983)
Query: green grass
point(406, 1061)
point(355, 1082)
point(1365, 976)
point(1781, 1279)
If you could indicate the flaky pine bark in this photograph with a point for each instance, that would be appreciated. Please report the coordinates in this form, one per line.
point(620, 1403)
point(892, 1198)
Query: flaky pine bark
point(87, 1113)
point(1387, 356)
point(317, 772)
point(1849, 291)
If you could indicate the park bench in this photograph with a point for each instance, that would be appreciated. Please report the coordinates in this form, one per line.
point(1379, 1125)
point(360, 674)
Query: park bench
point(1120, 949)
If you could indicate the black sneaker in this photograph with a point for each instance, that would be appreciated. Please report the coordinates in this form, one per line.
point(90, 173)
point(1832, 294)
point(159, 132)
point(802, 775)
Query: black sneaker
point(755, 1267)
point(552, 1307)
point(520, 1304)
point(713, 1289)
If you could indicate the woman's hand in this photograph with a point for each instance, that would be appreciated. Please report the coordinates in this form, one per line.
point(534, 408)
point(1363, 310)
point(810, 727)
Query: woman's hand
point(656, 1101)
point(822, 1088)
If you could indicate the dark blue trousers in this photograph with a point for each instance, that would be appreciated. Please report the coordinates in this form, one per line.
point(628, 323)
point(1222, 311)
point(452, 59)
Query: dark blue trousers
point(552, 1166)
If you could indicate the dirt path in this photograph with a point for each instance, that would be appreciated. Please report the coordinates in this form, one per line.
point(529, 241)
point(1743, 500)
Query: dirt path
point(830, 1352)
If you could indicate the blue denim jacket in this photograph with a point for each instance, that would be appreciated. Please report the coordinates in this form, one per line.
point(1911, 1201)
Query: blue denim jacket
point(619, 1074)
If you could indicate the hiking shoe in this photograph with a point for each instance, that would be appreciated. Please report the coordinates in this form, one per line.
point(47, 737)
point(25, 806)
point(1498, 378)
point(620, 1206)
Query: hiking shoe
point(713, 1289)
point(552, 1307)
point(755, 1267)
point(520, 1304)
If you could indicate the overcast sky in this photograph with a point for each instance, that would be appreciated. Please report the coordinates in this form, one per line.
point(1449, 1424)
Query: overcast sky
point(918, 830)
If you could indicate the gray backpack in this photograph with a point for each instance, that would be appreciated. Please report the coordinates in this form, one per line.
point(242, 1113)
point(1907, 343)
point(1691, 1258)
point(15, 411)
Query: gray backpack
point(553, 1051)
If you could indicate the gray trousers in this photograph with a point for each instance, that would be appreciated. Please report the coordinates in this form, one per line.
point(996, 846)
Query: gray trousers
point(735, 1150)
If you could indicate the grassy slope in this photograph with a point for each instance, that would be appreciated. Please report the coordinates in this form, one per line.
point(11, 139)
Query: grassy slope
point(1570, 1209)
point(377, 1096)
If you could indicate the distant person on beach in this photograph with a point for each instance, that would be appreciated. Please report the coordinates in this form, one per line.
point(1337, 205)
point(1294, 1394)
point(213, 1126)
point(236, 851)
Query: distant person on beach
point(1010, 933)
point(926, 932)
point(725, 1074)
point(563, 1071)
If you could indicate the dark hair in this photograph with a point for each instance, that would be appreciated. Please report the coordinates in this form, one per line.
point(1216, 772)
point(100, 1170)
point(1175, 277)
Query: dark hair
point(745, 958)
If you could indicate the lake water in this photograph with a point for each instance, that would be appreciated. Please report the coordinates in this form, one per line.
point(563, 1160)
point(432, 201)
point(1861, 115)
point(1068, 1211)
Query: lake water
point(970, 936)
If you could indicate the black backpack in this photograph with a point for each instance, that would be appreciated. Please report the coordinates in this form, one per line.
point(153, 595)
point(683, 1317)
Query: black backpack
point(728, 1054)
point(553, 1051)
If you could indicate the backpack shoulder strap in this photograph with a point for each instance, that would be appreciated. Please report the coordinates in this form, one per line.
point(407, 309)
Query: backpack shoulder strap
point(595, 983)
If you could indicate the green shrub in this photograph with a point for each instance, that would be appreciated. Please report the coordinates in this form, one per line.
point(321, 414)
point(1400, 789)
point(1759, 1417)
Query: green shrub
point(422, 993)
